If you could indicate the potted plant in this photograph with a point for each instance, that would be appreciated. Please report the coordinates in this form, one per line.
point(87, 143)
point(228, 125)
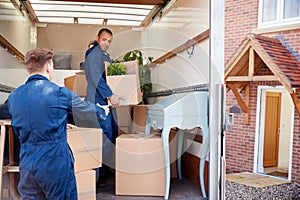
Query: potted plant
point(144, 71)
point(116, 69)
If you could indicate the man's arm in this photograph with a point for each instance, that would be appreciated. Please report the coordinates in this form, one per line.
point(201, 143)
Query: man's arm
point(82, 110)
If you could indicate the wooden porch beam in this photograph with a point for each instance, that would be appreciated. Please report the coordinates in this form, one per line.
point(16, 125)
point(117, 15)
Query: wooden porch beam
point(296, 101)
point(142, 2)
point(251, 62)
point(247, 114)
point(237, 59)
point(240, 101)
point(250, 78)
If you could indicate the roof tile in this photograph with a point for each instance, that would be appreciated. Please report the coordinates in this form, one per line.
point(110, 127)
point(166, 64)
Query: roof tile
point(283, 59)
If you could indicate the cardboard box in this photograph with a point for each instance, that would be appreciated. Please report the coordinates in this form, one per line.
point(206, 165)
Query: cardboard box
point(127, 86)
point(140, 166)
point(86, 145)
point(124, 116)
point(77, 83)
point(86, 185)
point(139, 125)
point(139, 118)
point(124, 130)
point(124, 119)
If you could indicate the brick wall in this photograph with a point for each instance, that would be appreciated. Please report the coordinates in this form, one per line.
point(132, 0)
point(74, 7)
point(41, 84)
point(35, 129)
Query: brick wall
point(241, 17)
point(296, 148)
point(240, 141)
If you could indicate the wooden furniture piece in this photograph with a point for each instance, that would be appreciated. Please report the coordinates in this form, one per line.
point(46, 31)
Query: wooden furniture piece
point(10, 167)
point(184, 111)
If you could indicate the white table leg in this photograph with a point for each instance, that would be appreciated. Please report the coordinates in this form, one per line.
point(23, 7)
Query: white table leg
point(165, 144)
point(201, 176)
point(203, 154)
point(147, 128)
point(179, 151)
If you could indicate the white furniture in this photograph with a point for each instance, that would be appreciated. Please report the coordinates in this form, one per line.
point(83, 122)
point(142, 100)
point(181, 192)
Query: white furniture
point(184, 111)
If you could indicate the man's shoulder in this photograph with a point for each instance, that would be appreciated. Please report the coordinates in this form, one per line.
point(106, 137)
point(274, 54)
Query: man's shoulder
point(17, 90)
point(95, 50)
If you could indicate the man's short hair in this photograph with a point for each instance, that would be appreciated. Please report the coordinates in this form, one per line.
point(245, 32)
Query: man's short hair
point(36, 59)
point(104, 30)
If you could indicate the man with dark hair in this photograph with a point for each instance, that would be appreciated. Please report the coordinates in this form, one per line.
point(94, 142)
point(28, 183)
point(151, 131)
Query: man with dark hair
point(39, 110)
point(99, 92)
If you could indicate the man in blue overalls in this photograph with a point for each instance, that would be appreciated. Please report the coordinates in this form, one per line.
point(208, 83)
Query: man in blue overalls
point(99, 92)
point(39, 110)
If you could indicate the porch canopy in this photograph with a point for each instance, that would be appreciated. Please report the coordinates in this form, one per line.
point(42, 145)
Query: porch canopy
point(255, 53)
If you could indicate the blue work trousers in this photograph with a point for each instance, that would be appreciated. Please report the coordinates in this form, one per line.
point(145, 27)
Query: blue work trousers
point(110, 133)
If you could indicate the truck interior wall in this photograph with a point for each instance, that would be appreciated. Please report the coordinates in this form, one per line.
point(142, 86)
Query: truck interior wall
point(74, 39)
point(7, 61)
point(182, 70)
point(20, 76)
point(22, 35)
point(171, 31)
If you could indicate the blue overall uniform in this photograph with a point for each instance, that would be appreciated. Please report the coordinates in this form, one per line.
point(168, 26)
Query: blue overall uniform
point(97, 92)
point(39, 111)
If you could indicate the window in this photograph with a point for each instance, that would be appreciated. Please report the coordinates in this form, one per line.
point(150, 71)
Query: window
point(278, 12)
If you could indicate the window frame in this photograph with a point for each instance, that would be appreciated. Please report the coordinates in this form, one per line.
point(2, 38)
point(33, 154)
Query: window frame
point(279, 21)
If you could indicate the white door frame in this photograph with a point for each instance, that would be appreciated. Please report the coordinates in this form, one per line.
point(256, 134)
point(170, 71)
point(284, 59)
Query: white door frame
point(259, 128)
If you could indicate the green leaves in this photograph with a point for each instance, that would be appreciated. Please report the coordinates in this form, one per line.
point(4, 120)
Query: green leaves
point(116, 69)
point(144, 71)
point(134, 55)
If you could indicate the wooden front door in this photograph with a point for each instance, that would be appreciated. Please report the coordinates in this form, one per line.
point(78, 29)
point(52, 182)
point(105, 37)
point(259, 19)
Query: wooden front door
point(271, 129)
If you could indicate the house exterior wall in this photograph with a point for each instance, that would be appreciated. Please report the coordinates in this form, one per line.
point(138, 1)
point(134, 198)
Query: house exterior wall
point(296, 148)
point(241, 18)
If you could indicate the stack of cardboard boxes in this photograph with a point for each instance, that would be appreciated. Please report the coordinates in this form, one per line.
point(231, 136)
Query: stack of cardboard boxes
point(140, 166)
point(86, 145)
point(140, 163)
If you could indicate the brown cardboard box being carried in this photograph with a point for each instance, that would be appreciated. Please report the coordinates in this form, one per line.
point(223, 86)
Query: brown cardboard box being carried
point(86, 185)
point(77, 83)
point(128, 85)
point(86, 145)
point(140, 166)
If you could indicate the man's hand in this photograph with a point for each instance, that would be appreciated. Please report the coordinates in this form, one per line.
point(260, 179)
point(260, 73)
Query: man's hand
point(105, 108)
point(114, 100)
point(70, 126)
